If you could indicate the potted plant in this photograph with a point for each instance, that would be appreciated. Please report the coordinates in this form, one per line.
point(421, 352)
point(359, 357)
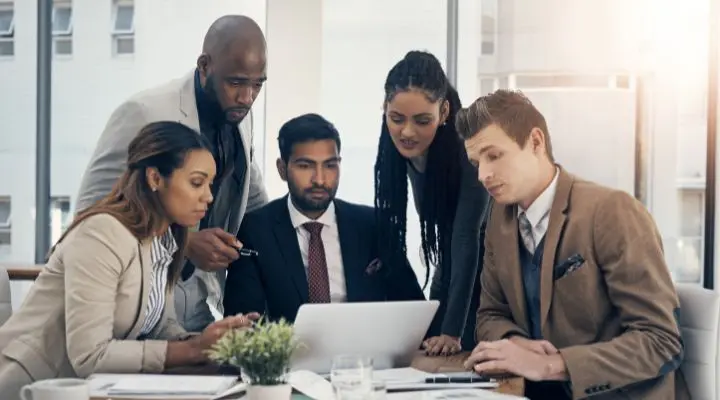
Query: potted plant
point(262, 354)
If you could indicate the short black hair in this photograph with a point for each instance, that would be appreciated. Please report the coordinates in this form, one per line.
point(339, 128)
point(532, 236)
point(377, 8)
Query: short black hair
point(305, 128)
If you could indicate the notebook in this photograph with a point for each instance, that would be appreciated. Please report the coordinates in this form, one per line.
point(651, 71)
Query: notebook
point(163, 386)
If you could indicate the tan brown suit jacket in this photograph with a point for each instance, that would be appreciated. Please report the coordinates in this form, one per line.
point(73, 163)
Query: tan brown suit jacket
point(614, 318)
point(84, 312)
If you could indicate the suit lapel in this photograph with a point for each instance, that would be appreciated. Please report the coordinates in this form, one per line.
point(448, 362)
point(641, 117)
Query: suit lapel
point(287, 243)
point(188, 104)
point(349, 247)
point(556, 225)
point(145, 270)
point(509, 250)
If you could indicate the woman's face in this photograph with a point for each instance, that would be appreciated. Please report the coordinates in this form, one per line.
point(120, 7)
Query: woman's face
point(413, 119)
point(186, 194)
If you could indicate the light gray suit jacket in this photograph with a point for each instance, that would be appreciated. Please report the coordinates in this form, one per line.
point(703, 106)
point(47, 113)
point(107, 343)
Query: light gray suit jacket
point(84, 312)
point(175, 101)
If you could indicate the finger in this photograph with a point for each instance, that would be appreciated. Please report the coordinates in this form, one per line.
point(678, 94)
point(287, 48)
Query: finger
point(253, 316)
point(483, 356)
point(227, 238)
point(237, 321)
point(223, 251)
point(491, 367)
point(448, 349)
point(429, 343)
point(437, 347)
point(487, 345)
point(548, 347)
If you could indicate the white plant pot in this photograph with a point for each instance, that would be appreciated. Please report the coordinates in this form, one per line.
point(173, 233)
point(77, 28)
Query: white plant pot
point(273, 392)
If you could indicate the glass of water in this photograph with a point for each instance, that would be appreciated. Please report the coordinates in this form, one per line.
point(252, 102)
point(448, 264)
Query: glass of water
point(352, 377)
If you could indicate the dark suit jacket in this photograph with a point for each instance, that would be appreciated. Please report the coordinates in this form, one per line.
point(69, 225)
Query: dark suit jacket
point(274, 282)
point(613, 314)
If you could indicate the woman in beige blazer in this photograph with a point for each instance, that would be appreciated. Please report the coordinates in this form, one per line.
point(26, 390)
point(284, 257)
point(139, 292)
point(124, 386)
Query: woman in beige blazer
point(103, 303)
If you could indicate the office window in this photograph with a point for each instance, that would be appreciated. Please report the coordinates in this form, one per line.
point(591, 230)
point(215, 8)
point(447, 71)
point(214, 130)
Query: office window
point(488, 27)
point(487, 85)
point(123, 33)
point(5, 225)
point(62, 28)
point(7, 30)
point(60, 217)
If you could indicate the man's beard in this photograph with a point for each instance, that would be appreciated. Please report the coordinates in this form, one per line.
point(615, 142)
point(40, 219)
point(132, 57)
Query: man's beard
point(227, 113)
point(304, 202)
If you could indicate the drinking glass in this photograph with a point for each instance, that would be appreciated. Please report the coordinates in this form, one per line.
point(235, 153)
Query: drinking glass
point(352, 377)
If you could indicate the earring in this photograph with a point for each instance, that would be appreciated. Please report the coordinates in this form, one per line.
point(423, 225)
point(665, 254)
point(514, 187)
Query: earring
point(154, 189)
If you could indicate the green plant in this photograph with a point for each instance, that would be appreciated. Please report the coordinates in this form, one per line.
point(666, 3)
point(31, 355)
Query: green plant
point(262, 353)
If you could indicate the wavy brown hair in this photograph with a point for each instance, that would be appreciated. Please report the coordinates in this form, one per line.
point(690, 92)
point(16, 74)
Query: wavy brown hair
point(164, 147)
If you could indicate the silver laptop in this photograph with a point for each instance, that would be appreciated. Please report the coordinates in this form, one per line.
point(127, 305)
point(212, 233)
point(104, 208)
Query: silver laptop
point(389, 332)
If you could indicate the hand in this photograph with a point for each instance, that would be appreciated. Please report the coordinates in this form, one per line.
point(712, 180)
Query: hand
point(217, 329)
point(510, 357)
point(212, 249)
point(536, 346)
point(442, 345)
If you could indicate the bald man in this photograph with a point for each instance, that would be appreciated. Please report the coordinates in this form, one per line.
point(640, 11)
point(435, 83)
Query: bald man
point(215, 99)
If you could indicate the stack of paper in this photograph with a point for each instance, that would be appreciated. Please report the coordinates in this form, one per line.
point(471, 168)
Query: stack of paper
point(163, 386)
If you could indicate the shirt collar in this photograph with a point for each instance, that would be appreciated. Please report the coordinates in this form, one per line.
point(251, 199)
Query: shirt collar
point(164, 246)
point(541, 206)
point(297, 218)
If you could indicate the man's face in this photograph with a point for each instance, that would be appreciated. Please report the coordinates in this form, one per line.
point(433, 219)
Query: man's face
point(234, 79)
point(312, 173)
point(509, 172)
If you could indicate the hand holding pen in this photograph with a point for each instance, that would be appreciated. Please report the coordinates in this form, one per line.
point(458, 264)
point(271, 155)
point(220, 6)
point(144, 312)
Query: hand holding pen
point(213, 249)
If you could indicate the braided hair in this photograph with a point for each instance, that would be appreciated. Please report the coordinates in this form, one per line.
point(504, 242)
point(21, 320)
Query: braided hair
point(419, 71)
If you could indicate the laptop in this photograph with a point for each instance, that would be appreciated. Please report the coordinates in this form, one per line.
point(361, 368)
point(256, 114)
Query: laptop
point(389, 332)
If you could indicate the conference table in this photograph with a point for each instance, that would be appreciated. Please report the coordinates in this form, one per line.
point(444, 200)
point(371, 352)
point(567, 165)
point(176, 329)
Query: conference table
point(454, 363)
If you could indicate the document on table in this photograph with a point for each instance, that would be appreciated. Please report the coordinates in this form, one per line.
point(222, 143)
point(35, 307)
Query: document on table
point(163, 386)
point(413, 379)
point(453, 394)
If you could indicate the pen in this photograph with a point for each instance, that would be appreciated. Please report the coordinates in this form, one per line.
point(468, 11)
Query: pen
point(248, 252)
point(457, 379)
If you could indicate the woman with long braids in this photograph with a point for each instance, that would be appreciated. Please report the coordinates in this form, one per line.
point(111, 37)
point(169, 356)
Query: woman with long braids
point(419, 141)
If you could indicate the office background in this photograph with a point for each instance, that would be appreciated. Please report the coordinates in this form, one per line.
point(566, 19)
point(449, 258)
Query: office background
point(629, 89)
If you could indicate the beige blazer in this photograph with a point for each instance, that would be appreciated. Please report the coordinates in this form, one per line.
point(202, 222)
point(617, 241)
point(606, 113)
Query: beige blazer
point(85, 310)
point(175, 101)
point(614, 317)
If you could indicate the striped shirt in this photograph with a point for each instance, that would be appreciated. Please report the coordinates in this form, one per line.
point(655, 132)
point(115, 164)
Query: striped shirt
point(161, 255)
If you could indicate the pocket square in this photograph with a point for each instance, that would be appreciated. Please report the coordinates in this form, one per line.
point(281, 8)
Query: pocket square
point(374, 266)
point(569, 265)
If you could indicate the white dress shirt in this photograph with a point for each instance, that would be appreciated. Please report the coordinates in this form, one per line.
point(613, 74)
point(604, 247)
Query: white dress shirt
point(538, 214)
point(331, 243)
point(161, 255)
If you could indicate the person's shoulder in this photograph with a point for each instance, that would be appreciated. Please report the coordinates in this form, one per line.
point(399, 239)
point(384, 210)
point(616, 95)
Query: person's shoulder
point(106, 225)
point(596, 198)
point(359, 212)
point(105, 230)
point(157, 97)
point(261, 215)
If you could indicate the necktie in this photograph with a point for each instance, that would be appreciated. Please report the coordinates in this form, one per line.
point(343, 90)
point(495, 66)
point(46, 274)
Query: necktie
point(526, 232)
point(317, 272)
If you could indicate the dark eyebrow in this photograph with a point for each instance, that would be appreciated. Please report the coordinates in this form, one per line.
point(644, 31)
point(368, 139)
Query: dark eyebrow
point(203, 173)
point(261, 79)
point(308, 160)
